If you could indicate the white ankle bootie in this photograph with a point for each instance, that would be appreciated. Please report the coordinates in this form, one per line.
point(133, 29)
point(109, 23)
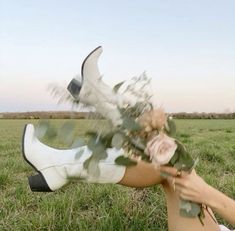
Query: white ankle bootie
point(55, 167)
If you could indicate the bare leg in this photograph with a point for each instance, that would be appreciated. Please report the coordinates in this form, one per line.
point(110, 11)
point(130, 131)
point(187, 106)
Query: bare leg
point(141, 175)
point(179, 223)
point(144, 175)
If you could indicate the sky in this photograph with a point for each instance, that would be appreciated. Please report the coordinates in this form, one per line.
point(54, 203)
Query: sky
point(187, 47)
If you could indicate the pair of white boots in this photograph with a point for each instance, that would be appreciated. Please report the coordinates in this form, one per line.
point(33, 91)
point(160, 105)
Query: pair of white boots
point(55, 167)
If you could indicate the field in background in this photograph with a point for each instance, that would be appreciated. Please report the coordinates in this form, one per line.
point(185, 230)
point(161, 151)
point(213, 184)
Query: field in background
point(92, 115)
point(81, 206)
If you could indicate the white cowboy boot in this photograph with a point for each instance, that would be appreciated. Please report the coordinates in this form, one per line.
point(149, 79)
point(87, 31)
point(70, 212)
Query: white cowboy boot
point(93, 91)
point(55, 167)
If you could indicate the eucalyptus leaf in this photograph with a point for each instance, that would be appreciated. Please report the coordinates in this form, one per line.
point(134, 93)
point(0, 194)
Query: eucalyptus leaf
point(100, 154)
point(93, 141)
point(138, 143)
point(185, 206)
point(97, 148)
point(117, 86)
point(145, 158)
point(185, 165)
point(174, 158)
point(189, 209)
point(180, 147)
point(66, 132)
point(79, 154)
point(170, 127)
point(45, 129)
point(93, 167)
point(41, 129)
point(126, 161)
point(107, 140)
point(118, 140)
point(51, 132)
point(194, 164)
point(79, 142)
point(185, 161)
point(130, 124)
point(96, 145)
point(92, 164)
point(86, 163)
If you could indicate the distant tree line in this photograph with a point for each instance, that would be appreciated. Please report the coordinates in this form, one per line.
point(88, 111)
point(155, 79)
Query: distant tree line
point(203, 115)
point(93, 115)
point(49, 115)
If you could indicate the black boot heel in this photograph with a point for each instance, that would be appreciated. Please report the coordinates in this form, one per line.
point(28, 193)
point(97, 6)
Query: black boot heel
point(37, 183)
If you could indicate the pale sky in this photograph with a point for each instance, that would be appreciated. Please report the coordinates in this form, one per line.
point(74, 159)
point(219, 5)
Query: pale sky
point(187, 47)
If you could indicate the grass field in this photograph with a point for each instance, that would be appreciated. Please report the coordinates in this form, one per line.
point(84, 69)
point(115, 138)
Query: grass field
point(80, 206)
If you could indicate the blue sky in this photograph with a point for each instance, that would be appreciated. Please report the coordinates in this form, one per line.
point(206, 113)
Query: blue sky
point(187, 48)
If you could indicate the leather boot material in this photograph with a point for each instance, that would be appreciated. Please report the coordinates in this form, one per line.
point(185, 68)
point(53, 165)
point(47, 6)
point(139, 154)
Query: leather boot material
point(58, 166)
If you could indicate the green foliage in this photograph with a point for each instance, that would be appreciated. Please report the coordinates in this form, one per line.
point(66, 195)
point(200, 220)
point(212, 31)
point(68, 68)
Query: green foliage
point(78, 142)
point(170, 127)
point(98, 152)
point(130, 124)
point(138, 143)
point(118, 140)
point(126, 161)
point(117, 86)
point(189, 209)
point(66, 132)
point(92, 165)
point(45, 129)
point(174, 158)
point(184, 160)
point(81, 206)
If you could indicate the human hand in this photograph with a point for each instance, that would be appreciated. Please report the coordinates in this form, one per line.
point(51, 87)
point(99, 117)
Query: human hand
point(190, 186)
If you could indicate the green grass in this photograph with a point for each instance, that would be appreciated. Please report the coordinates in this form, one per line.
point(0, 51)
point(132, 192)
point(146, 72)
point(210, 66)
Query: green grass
point(80, 206)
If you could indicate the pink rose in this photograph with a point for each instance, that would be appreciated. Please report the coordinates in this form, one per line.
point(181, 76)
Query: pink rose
point(161, 149)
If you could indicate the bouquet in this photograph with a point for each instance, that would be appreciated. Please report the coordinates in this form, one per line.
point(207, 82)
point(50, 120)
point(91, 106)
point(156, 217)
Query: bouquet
point(135, 125)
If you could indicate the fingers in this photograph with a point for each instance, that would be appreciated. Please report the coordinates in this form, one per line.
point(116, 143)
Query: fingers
point(177, 185)
point(177, 181)
point(187, 186)
point(183, 195)
point(170, 170)
point(173, 183)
